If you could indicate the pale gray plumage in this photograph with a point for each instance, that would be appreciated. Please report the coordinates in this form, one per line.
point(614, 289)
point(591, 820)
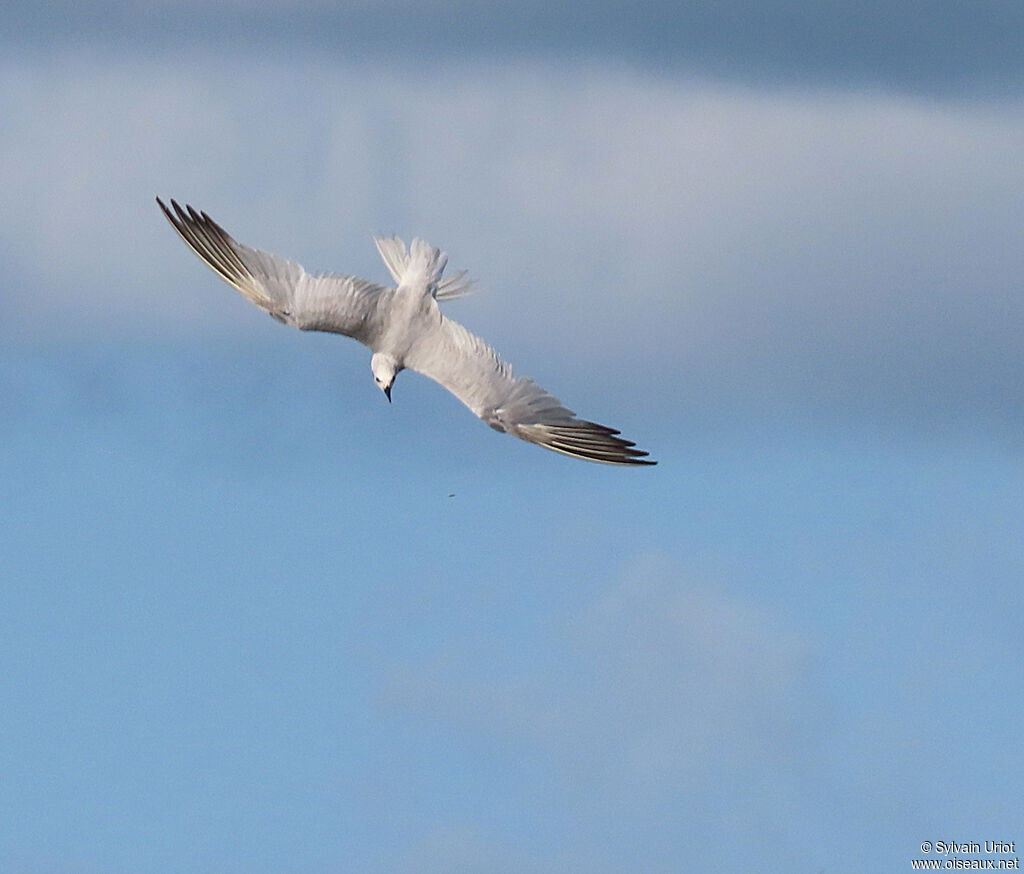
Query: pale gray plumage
point(404, 328)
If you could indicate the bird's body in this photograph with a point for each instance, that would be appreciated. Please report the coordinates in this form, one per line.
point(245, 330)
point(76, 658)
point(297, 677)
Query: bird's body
point(404, 328)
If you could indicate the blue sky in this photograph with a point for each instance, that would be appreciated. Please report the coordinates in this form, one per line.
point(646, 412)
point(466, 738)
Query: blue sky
point(256, 619)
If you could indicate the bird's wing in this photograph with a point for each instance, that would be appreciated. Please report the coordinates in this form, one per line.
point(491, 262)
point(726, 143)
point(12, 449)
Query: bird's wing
point(472, 371)
point(340, 304)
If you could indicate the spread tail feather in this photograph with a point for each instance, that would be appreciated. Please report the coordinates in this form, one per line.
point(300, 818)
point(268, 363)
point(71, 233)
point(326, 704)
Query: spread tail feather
point(422, 262)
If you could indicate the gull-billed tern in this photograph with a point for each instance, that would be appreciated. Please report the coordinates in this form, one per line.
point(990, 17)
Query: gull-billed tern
point(404, 327)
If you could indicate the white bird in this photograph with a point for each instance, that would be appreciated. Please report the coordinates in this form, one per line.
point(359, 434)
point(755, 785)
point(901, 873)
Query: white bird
point(404, 328)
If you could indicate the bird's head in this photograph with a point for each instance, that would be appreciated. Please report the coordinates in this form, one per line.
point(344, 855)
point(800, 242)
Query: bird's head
point(385, 368)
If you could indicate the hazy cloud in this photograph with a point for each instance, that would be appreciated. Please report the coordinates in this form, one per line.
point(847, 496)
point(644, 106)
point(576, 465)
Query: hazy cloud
point(455, 848)
point(938, 48)
point(852, 252)
point(660, 681)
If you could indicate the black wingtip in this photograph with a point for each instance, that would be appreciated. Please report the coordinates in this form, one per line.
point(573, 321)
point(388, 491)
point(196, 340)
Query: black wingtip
point(593, 442)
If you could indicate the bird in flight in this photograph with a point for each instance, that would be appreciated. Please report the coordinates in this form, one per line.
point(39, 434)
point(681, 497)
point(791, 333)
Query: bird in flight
point(404, 328)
